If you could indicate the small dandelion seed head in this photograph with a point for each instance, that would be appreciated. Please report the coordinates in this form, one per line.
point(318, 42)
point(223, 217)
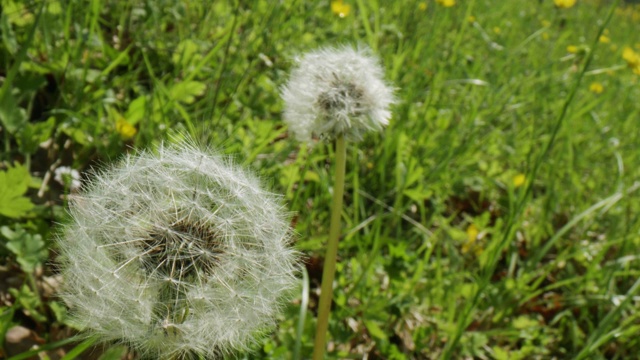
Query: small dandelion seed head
point(176, 254)
point(337, 91)
point(67, 176)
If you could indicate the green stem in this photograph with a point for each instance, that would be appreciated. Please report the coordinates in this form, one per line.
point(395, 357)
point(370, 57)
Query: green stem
point(45, 347)
point(80, 348)
point(34, 288)
point(7, 145)
point(329, 271)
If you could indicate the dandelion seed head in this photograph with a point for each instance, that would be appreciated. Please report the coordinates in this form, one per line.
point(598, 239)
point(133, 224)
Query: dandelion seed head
point(67, 176)
point(337, 91)
point(175, 254)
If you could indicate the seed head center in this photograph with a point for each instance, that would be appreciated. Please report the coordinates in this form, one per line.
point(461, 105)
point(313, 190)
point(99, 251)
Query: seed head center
point(181, 251)
point(341, 97)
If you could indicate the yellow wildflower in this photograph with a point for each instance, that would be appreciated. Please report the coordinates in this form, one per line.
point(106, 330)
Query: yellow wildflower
point(422, 6)
point(564, 4)
point(572, 49)
point(126, 130)
point(339, 8)
point(604, 39)
point(446, 3)
point(472, 236)
point(519, 180)
point(496, 30)
point(596, 88)
point(545, 35)
point(472, 233)
point(471, 19)
point(632, 58)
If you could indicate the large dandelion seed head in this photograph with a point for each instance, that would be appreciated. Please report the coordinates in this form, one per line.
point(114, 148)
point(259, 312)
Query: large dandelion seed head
point(177, 254)
point(337, 91)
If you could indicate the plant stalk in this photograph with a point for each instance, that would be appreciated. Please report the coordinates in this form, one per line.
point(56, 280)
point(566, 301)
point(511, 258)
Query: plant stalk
point(329, 268)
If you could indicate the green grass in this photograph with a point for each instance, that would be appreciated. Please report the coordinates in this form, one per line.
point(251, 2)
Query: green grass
point(552, 270)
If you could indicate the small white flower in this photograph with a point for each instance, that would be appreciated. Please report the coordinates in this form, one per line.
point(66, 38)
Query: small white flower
point(67, 176)
point(337, 91)
point(177, 255)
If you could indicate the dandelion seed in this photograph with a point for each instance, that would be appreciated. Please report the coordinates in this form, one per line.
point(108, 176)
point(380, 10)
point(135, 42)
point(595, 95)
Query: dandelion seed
point(337, 92)
point(177, 255)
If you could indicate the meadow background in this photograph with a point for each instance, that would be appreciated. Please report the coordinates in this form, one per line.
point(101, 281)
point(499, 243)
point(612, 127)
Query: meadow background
point(497, 217)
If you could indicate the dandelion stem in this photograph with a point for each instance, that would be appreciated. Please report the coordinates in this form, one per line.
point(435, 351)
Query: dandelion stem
point(329, 270)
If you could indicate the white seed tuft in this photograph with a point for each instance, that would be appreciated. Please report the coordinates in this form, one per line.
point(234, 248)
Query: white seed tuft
point(337, 91)
point(178, 254)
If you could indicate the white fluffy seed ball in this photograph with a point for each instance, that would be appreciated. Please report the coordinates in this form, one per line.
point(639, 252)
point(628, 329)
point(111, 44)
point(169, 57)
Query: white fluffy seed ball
point(337, 91)
point(177, 254)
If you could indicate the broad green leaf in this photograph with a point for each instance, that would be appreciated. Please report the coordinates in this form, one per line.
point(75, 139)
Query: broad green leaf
point(12, 116)
point(186, 53)
point(33, 134)
point(114, 353)
point(77, 135)
point(500, 354)
point(186, 92)
point(88, 75)
point(6, 317)
point(27, 85)
point(8, 38)
point(58, 310)
point(418, 195)
point(375, 331)
point(30, 250)
point(29, 301)
point(524, 322)
point(18, 13)
point(54, 7)
point(13, 185)
point(137, 110)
